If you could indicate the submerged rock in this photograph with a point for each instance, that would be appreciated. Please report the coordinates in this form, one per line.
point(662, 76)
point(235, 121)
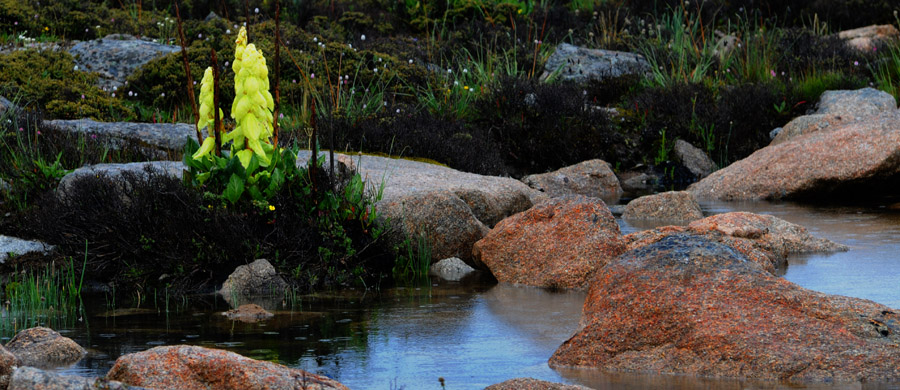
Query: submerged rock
point(248, 313)
point(590, 178)
point(675, 206)
point(533, 384)
point(689, 305)
point(854, 155)
point(451, 269)
point(558, 243)
point(187, 367)
point(579, 64)
point(117, 56)
point(44, 348)
point(763, 239)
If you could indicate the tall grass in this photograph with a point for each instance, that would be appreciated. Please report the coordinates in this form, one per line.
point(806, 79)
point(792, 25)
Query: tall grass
point(886, 71)
point(48, 297)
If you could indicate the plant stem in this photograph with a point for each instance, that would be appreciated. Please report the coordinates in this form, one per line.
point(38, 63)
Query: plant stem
point(277, 74)
point(187, 71)
point(217, 123)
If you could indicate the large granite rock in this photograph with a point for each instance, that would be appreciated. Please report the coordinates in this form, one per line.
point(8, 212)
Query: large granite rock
point(30, 378)
point(11, 246)
point(8, 363)
point(867, 38)
point(674, 206)
point(578, 64)
point(173, 169)
point(688, 305)
point(187, 367)
point(858, 153)
point(763, 239)
point(590, 178)
point(450, 209)
point(44, 348)
point(533, 384)
point(558, 243)
point(838, 108)
point(694, 159)
point(117, 56)
point(157, 139)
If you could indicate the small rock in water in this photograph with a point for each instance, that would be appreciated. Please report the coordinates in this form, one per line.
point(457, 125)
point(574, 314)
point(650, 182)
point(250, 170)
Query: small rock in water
point(248, 313)
point(451, 269)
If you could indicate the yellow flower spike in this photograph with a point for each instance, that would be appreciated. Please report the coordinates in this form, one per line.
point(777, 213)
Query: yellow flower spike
point(206, 99)
point(252, 107)
point(271, 208)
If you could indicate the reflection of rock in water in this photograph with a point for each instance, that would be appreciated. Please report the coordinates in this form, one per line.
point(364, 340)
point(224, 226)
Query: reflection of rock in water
point(546, 318)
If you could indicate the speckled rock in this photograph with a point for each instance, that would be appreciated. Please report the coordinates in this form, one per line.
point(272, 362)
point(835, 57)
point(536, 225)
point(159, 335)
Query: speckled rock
point(187, 367)
point(763, 239)
point(251, 281)
point(451, 209)
point(44, 348)
point(637, 182)
point(8, 363)
point(675, 206)
point(533, 384)
point(558, 243)
point(113, 171)
point(11, 246)
point(6, 105)
point(159, 139)
point(589, 178)
point(451, 269)
point(857, 153)
point(30, 378)
point(117, 56)
point(866, 38)
point(578, 64)
point(249, 313)
point(694, 159)
point(836, 109)
point(688, 305)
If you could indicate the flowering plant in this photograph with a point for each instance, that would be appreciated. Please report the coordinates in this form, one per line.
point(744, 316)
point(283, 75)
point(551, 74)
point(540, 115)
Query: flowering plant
point(253, 166)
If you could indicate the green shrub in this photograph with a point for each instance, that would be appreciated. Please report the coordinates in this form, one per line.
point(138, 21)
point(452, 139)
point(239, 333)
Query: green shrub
point(48, 79)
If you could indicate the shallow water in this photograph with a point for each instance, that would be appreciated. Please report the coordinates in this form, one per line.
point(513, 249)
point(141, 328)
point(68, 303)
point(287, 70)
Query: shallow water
point(475, 334)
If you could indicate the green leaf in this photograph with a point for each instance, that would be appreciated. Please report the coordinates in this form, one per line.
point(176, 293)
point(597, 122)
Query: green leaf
point(202, 177)
point(235, 189)
point(252, 166)
point(255, 193)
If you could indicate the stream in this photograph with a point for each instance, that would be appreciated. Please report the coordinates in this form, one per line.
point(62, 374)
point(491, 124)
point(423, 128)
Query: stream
point(474, 333)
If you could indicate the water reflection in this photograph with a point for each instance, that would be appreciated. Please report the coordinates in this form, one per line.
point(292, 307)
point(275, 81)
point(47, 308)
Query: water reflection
point(475, 333)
